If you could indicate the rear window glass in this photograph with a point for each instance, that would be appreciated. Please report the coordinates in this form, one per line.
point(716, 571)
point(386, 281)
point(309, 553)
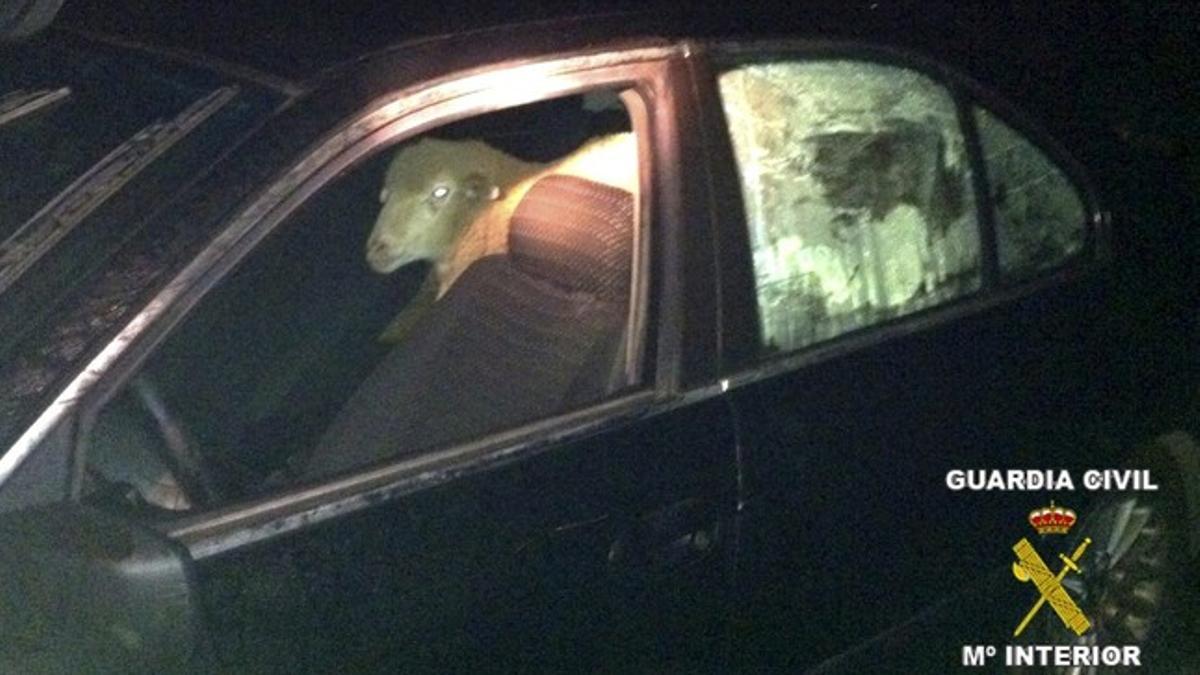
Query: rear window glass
point(857, 192)
point(1040, 216)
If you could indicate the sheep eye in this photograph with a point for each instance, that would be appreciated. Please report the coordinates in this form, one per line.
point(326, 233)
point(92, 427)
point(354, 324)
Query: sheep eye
point(440, 192)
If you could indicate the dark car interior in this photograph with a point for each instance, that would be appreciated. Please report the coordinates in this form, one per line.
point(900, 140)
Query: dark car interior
point(243, 389)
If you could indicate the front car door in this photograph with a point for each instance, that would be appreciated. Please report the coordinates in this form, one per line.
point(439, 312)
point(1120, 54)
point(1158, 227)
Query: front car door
point(907, 288)
point(591, 531)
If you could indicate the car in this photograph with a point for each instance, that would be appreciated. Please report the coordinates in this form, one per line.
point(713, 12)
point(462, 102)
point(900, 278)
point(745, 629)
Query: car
point(572, 345)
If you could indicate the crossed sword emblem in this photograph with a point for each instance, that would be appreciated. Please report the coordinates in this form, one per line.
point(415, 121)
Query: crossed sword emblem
point(1030, 567)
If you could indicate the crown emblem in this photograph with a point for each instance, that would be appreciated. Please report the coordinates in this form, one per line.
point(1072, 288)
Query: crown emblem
point(1052, 519)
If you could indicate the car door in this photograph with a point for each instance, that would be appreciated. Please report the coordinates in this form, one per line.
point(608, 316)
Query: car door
point(905, 292)
point(592, 536)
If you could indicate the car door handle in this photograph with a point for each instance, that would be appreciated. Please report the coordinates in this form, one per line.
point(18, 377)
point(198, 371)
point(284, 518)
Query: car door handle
point(666, 538)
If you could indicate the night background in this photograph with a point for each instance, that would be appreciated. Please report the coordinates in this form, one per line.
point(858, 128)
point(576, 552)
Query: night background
point(1117, 83)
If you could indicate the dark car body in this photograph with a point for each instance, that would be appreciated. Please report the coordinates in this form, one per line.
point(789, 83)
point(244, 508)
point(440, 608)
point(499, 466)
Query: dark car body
point(735, 510)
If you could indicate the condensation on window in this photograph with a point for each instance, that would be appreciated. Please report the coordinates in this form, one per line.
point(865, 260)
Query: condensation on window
point(858, 194)
point(1040, 218)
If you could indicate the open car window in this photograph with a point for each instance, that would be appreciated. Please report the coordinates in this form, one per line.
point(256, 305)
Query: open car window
point(460, 283)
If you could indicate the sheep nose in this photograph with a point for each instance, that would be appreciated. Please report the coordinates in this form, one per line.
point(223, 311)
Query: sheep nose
point(376, 248)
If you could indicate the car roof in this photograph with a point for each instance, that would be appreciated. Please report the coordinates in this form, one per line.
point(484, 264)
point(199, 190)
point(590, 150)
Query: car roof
point(298, 52)
point(324, 35)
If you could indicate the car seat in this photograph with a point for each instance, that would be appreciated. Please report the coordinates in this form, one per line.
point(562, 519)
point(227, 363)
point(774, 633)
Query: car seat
point(525, 334)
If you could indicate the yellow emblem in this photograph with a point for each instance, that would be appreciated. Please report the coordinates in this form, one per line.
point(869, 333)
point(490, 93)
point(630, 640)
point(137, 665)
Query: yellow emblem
point(1029, 567)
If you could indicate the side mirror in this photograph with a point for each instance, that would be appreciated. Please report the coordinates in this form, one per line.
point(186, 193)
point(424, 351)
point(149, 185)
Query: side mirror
point(85, 591)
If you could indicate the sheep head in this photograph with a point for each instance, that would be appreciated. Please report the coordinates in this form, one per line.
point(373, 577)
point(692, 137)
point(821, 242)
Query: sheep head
point(432, 190)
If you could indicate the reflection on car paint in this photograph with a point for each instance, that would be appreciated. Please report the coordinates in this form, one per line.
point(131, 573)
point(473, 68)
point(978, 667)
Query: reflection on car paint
point(41, 232)
point(17, 104)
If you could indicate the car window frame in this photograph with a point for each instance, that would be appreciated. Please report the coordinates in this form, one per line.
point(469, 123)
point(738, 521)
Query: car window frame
point(742, 359)
point(648, 71)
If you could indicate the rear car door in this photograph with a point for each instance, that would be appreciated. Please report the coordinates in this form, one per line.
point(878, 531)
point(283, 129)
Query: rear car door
point(592, 534)
point(906, 290)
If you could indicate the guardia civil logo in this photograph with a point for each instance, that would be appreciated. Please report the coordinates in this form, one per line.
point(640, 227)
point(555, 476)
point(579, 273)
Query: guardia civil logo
point(1029, 567)
point(1050, 594)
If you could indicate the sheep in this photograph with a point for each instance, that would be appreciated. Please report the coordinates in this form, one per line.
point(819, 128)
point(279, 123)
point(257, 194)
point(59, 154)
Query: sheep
point(449, 202)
